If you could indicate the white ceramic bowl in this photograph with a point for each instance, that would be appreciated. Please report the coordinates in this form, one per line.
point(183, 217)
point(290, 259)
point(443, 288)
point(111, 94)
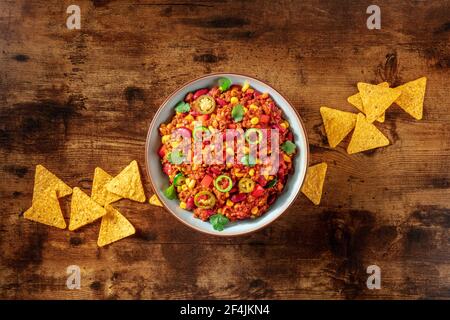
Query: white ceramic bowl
point(160, 181)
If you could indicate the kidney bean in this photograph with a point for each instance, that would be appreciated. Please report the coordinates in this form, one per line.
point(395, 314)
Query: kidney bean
point(238, 197)
point(199, 93)
point(271, 199)
point(190, 203)
point(221, 101)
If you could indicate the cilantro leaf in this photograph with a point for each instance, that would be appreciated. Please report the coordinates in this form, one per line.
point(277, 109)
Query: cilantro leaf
point(288, 147)
point(237, 113)
point(218, 221)
point(182, 107)
point(224, 84)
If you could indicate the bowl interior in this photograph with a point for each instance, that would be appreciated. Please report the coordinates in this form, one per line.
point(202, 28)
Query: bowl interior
point(160, 180)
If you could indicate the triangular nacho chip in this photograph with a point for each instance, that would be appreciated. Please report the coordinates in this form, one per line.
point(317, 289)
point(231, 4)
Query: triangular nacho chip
point(99, 192)
point(412, 96)
point(366, 136)
point(313, 184)
point(45, 182)
point(114, 227)
point(376, 99)
point(46, 210)
point(155, 201)
point(337, 124)
point(356, 101)
point(128, 184)
point(83, 210)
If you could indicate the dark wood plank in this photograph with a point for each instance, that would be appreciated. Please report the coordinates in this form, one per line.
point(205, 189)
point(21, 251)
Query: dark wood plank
point(74, 100)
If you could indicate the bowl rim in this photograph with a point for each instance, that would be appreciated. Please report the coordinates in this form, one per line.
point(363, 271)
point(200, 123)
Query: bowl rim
point(153, 123)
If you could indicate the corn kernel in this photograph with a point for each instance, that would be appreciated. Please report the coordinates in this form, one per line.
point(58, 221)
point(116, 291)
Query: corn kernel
point(191, 184)
point(165, 138)
point(266, 176)
point(251, 172)
point(211, 129)
point(229, 203)
point(245, 86)
point(283, 125)
point(184, 187)
point(229, 165)
point(179, 125)
point(254, 210)
point(234, 100)
point(189, 118)
point(246, 150)
point(265, 95)
point(254, 120)
point(253, 107)
point(239, 174)
point(179, 189)
point(245, 109)
point(183, 205)
point(286, 158)
point(215, 123)
point(286, 124)
point(230, 151)
point(271, 177)
point(175, 144)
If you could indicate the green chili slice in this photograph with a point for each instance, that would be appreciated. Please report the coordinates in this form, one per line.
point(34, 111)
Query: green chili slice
point(248, 135)
point(246, 185)
point(219, 181)
point(205, 200)
point(179, 179)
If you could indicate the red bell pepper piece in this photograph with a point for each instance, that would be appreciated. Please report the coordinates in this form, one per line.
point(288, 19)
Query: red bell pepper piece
point(206, 181)
point(199, 93)
point(264, 118)
point(258, 192)
point(203, 117)
point(162, 151)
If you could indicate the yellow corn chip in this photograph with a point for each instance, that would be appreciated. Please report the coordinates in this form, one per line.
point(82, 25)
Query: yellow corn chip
point(337, 124)
point(412, 96)
point(155, 201)
point(114, 227)
point(45, 181)
point(83, 210)
point(46, 210)
point(99, 192)
point(366, 136)
point(376, 99)
point(313, 184)
point(356, 101)
point(128, 184)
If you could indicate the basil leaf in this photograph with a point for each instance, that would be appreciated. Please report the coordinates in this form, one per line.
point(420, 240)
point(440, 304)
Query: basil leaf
point(218, 221)
point(175, 157)
point(271, 183)
point(288, 147)
point(170, 192)
point(182, 107)
point(224, 84)
point(237, 113)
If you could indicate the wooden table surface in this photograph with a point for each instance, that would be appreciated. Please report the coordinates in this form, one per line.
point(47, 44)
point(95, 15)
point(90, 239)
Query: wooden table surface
point(76, 99)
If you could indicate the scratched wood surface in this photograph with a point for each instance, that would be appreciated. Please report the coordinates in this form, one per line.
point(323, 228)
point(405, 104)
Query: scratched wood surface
point(76, 99)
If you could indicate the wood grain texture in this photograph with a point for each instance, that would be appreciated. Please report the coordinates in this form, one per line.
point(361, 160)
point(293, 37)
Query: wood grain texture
point(74, 100)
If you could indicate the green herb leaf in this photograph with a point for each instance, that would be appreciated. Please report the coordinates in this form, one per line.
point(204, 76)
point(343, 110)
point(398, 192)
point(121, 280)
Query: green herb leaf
point(288, 147)
point(271, 183)
point(175, 157)
point(224, 84)
point(218, 221)
point(182, 107)
point(237, 113)
point(170, 192)
point(248, 160)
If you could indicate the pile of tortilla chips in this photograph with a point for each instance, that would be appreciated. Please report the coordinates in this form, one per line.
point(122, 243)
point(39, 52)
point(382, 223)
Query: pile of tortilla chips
point(84, 209)
point(372, 101)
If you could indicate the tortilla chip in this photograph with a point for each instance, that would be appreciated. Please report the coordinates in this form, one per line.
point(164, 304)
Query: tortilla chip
point(128, 184)
point(99, 192)
point(338, 124)
point(114, 227)
point(155, 201)
point(46, 210)
point(376, 99)
point(313, 184)
point(45, 182)
point(356, 101)
point(366, 136)
point(83, 210)
point(412, 96)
